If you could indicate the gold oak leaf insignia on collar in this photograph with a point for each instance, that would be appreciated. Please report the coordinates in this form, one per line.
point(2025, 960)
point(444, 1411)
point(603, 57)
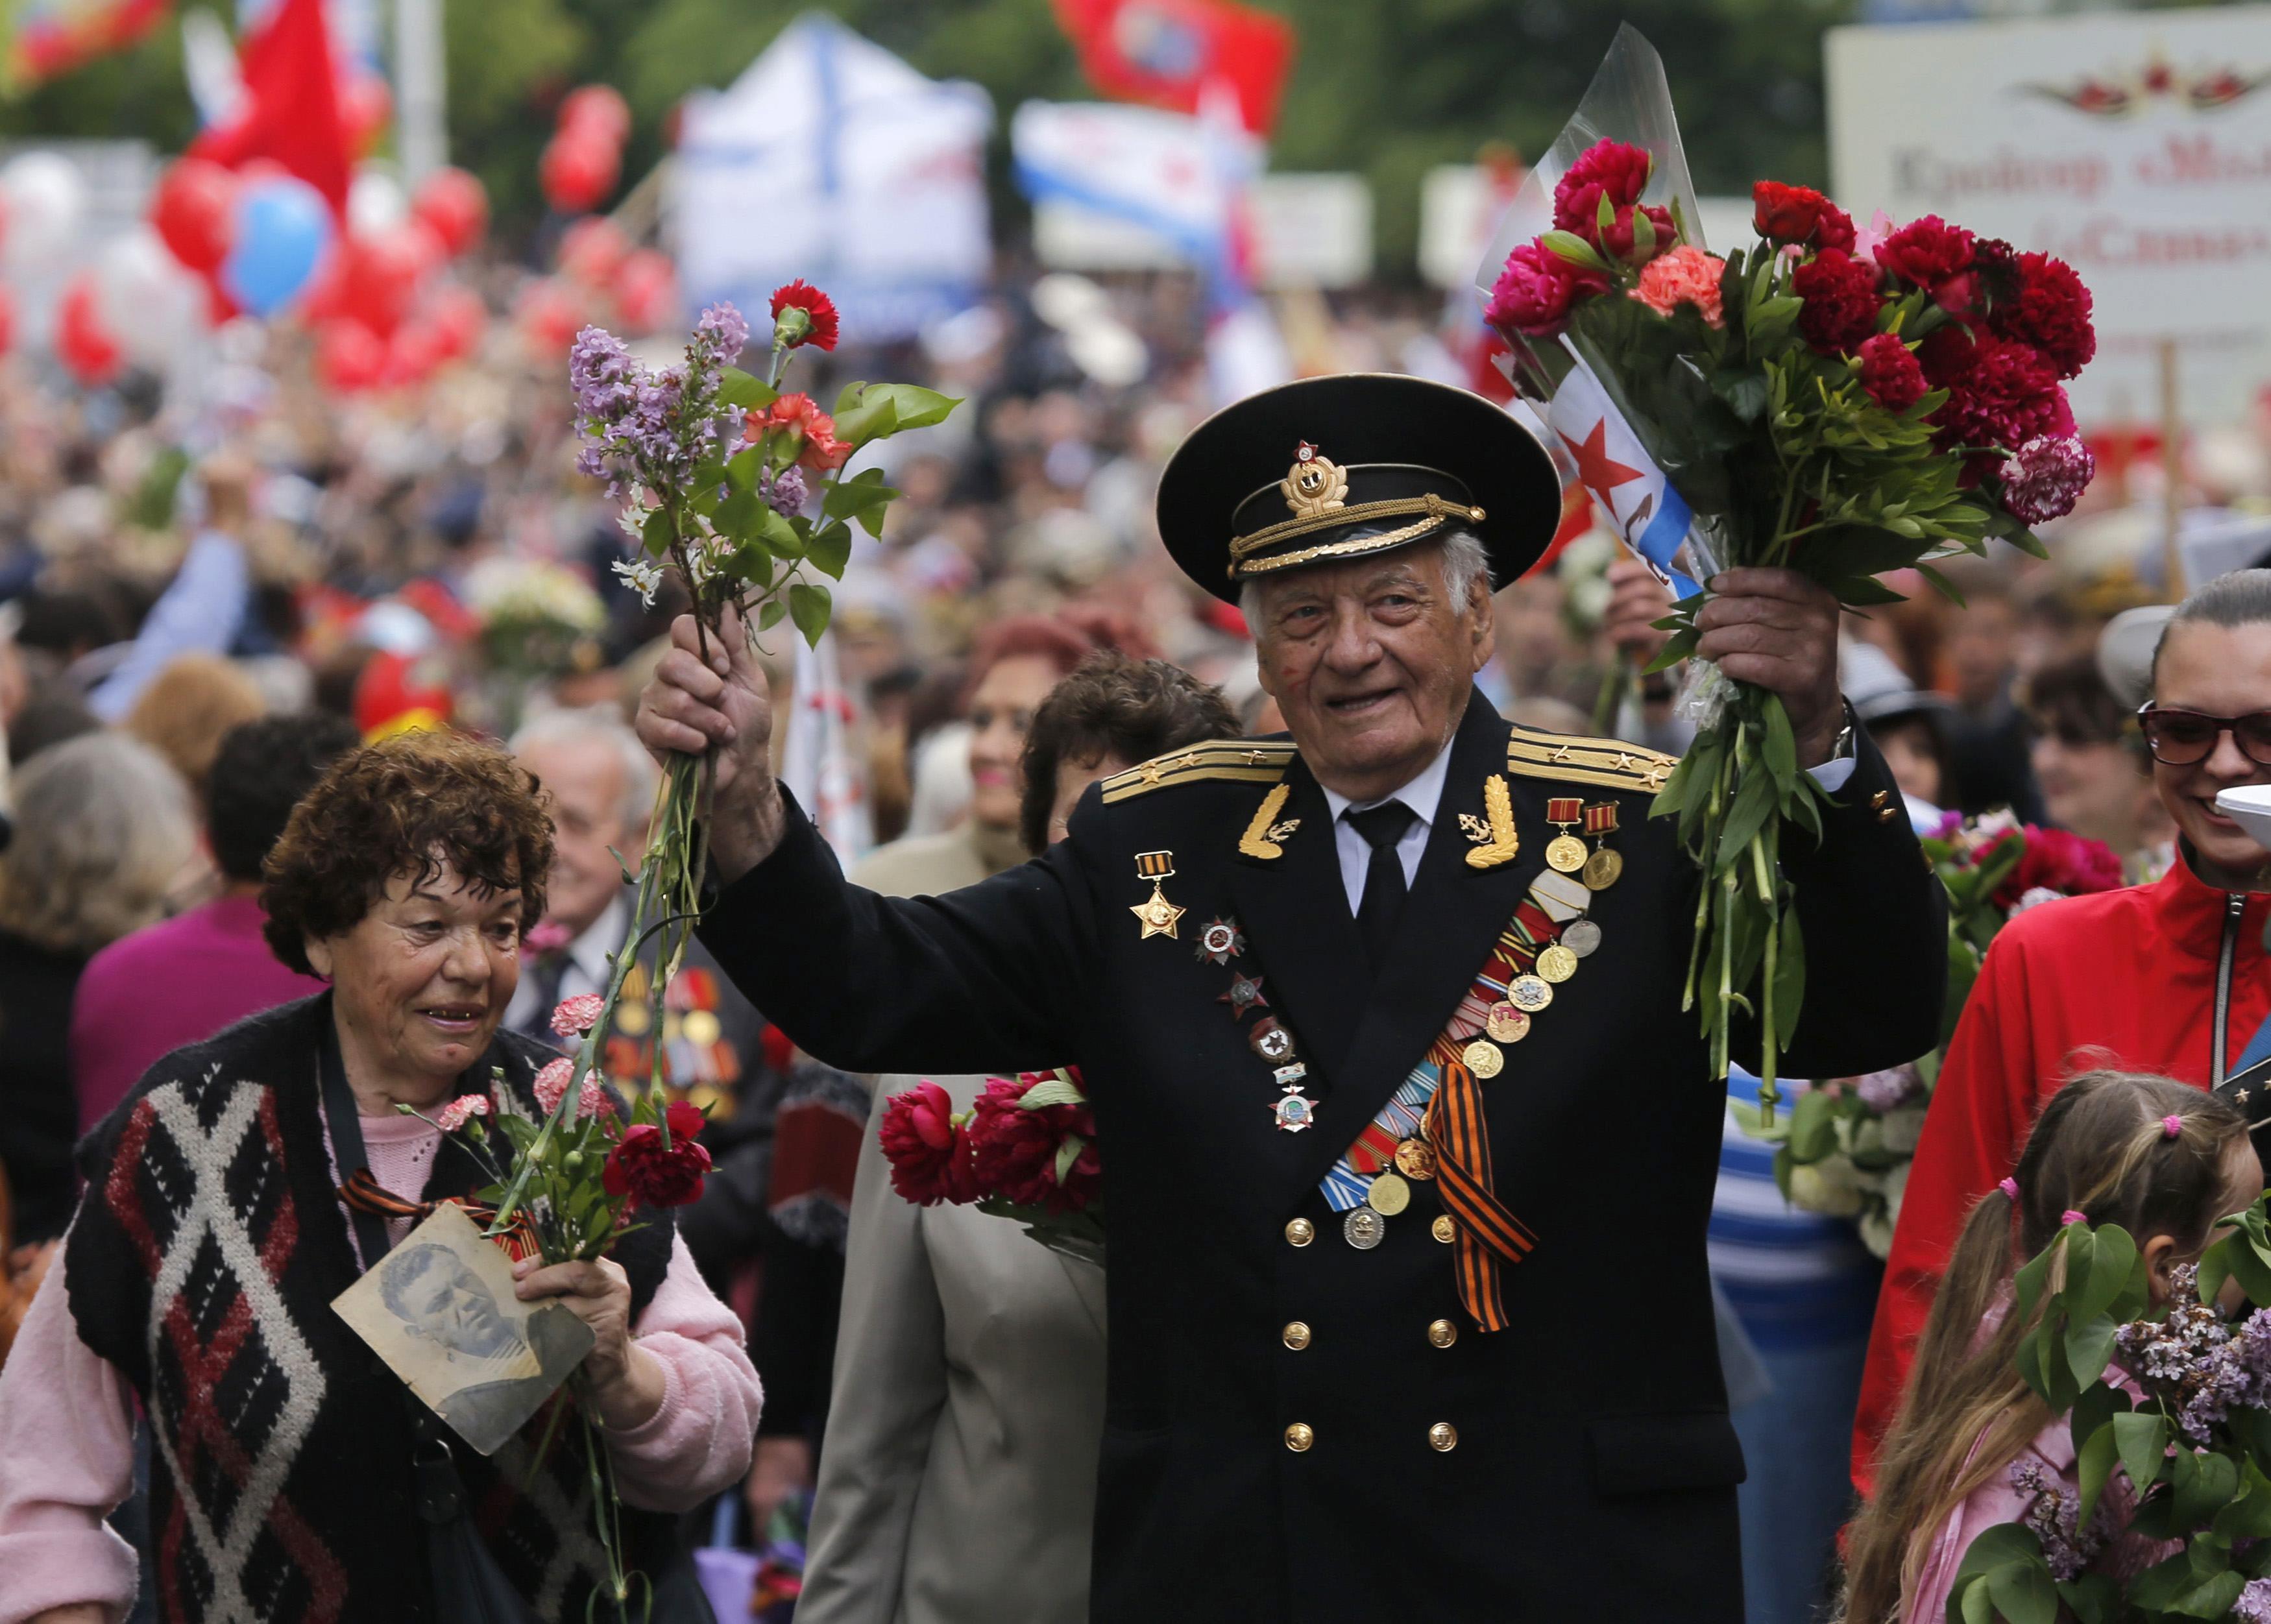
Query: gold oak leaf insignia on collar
point(1263, 834)
point(1500, 843)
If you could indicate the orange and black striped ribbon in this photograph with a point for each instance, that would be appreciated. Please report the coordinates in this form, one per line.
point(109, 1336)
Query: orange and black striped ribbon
point(363, 1193)
point(1488, 1232)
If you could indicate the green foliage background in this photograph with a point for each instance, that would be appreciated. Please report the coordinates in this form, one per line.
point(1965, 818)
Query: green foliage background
point(1386, 87)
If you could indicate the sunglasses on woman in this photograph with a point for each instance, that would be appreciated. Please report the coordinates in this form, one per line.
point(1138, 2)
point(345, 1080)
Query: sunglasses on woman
point(2184, 738)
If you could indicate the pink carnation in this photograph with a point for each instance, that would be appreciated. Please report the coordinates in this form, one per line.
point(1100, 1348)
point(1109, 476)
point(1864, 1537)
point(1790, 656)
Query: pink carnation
point(551, 1083)
point(579, 1014)
point(2046, 477)
point(1687, 275)
point(2004, 396)
point(455, 1116)
point(1534, 293)
point(1615, 169)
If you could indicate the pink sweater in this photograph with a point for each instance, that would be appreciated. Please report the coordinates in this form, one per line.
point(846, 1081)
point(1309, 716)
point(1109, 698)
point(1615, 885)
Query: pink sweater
point(67, 1419)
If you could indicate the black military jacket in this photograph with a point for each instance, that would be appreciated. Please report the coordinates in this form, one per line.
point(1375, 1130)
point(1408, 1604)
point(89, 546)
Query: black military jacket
point(1591, 1466)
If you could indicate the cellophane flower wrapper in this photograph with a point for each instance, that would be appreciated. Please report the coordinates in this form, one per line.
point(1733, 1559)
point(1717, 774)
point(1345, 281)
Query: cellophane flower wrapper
point(1810, 403)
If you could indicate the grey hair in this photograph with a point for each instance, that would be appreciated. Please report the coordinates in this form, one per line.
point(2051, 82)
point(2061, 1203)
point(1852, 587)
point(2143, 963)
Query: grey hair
point(103, 828)
point(641, 776)
point(1464, 562)
point(2241, 598)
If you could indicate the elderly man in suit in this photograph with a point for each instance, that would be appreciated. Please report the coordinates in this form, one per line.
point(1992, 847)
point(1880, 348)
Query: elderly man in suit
point(1409, 1147)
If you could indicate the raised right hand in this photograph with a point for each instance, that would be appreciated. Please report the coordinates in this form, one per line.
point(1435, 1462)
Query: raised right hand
point(691, 706)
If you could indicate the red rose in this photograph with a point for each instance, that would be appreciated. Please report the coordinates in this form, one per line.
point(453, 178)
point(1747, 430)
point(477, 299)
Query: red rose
point(2006, 396)
point(929, 1156)
point(2057, 860)
point(1014, 1150)
point(1891, 373)
point(1534, 293)
point(1799, 214)
point(1615, 169)
point(1618, 241)
point(640, 1167)
point(2052, 313)
point(1841, 300)
point(819, 328)
point(1926, 252)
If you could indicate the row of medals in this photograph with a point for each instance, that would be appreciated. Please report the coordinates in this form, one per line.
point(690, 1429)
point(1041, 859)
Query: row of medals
point(1364, 1227)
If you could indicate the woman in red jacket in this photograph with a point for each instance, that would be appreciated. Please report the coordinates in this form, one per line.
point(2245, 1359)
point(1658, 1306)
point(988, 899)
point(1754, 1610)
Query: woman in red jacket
point(2171, 977)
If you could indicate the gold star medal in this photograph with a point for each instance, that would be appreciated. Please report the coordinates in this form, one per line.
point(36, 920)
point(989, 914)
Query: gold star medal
point(1156, 913)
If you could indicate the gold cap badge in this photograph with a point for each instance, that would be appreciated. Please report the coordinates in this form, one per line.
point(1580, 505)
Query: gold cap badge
point(1315, 484)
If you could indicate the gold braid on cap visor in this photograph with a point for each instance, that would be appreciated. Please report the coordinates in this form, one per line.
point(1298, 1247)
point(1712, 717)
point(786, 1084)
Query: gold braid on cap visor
point(1437, 509)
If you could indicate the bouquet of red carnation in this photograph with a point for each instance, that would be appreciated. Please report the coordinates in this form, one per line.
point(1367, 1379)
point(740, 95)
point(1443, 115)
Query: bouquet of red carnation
point(1026, 1150)
point(1838, 401)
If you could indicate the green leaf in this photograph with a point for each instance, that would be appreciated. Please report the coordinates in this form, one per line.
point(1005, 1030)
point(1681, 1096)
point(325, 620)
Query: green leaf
point(2248, 1516)
point(737, 388)
point(809, 606)
point(2092, 1597)
point(2023, 1593)
point(2088, 1346)
point(1068, 1153)
point(1051, 1091)
point(2141, 1438)
point(1570, 246)
point(1643, 234)
point(738, 511)
point(2203, 1488)
point(882, 410)
point(2110, 1259)
point(1947, 588)
point(655, 535)
point(830, 549)
point(1790, 973)
point(2096, 1462)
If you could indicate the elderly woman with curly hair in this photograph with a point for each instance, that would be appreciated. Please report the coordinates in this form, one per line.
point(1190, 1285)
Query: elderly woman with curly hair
point(199, 1272)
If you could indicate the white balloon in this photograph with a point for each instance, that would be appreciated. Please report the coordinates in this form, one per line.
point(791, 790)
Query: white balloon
point(148, 299)
point(45, 201)
point(375, 203)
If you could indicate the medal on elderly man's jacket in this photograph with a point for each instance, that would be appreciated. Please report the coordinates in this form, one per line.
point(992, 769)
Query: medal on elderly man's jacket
point(1565, 853)
point(1605, 867)
point(1156, 914)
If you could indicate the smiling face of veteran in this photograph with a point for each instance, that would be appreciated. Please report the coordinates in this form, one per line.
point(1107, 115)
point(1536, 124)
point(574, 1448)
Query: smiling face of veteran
point(1372, 661)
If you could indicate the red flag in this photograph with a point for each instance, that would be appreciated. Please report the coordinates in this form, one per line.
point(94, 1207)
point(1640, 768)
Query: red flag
point(1168, 53)
point(291, 110)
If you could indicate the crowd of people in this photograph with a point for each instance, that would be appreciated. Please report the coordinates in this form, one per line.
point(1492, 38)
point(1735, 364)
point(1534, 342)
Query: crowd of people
point(213, 590)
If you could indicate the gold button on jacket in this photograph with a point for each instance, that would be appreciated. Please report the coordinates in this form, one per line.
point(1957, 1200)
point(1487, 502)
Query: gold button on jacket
point(1297, 1336)
point(1442, 1333)
point(1442, 1437)
point(1300, 1232)
point(1299, 1437)
point(1443, 1229)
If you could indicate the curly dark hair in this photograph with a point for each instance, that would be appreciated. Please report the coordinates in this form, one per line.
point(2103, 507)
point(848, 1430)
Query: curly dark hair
point(406, 805)
point(258, 775)
point(1113, 708)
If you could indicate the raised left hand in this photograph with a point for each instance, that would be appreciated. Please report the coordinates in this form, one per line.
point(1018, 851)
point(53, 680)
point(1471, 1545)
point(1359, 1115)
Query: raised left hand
point(1777, 629)
point(600, 1294)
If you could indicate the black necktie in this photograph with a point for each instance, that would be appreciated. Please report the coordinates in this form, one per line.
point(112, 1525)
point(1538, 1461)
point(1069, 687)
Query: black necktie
point(1381, 827)
point(550, 970)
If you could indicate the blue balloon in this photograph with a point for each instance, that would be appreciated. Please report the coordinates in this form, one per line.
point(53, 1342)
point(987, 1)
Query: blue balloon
point(283, 227)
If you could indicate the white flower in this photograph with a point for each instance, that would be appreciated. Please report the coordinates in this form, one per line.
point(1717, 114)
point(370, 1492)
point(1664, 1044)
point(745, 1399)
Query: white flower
point(1903, 1127)
point(2034, 896)
point(643, 575)
point(1826, 1187)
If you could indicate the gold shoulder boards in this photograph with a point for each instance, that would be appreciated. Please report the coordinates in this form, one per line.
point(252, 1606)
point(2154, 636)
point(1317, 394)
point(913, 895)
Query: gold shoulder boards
point(1245, 761)
point(1608, 762)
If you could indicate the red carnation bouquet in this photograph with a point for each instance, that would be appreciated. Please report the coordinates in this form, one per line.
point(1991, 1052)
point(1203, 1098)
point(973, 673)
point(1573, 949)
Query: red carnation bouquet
point(1837, 400)
point(1026, 1150)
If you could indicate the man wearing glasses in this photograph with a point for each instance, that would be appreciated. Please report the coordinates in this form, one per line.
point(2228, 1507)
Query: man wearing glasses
point(2172, 977)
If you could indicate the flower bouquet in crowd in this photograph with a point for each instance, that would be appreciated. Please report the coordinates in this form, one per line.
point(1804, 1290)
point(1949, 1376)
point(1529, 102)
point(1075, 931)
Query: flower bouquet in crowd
point(581, 1173)
point(1844, 1149)
point(1026, 1150)
point(538, 620)
point(1839, 401)
point(2188, 1427)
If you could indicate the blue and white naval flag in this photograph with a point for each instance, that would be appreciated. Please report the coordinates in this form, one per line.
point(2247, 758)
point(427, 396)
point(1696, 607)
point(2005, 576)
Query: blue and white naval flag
point(1641, 503)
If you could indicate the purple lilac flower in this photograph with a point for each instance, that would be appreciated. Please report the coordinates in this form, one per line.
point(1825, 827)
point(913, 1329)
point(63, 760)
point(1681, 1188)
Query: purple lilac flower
point(2253, 1606)
point(723, 331)
point(785, 493)
point(2046, 477)
point(2054, 1514)
point(1881, 1090)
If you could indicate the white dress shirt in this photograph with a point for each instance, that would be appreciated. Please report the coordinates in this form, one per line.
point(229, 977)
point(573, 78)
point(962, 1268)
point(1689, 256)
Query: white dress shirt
point(586, 971)
point(1424, 795)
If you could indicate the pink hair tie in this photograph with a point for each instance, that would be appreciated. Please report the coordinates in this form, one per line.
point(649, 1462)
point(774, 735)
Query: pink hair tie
point(2172, 1126)
point(2009, 1187)
point(2072, 1216)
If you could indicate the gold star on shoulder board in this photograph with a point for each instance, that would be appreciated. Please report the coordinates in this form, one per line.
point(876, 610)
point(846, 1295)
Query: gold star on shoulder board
point(1151, 771)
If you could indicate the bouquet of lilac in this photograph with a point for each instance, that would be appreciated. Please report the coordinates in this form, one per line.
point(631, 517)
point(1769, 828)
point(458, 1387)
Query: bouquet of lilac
point(2188, 1426)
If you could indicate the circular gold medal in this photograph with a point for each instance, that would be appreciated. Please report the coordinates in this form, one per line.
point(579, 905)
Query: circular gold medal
point(1389, 1195)
point(1565, 853)
point(700, 1026)
point(1529, 994)
point(1507, 1024)
point(1416, 1160)
point(632, 1019)
point(1557, 963)
point(1601, 869)
point(1484, 1059)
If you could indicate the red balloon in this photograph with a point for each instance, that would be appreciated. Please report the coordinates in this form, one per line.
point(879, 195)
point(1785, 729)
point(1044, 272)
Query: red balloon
point(84, 341)
point(415, 351)
point(365, 105)
point(193, 210)
point(349, 357)
point(593, 251)
point(597, 107)
point(578, 170)
point(459, 318)
point(647, 290)
point(379, 275)
point(548, 313)
point(454, 206)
